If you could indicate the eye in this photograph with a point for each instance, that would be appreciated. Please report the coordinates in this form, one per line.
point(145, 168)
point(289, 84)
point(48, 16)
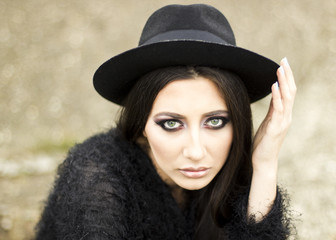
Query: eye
point(216, 122)
point(170, 125)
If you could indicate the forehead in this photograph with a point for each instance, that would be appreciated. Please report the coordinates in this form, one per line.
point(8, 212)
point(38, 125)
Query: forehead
point(187, 95)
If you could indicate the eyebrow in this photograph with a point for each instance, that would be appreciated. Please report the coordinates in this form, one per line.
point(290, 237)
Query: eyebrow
point(179, 116)
point(169, 114)
point(216, 113)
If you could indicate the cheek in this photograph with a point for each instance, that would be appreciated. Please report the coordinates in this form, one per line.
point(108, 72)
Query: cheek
point(163, 146)
point(220, 147)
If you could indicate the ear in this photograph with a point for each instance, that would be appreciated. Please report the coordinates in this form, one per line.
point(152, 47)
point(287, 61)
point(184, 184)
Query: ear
point(144, 133)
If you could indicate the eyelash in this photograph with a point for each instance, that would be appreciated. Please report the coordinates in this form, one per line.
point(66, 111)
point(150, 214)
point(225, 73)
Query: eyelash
point(224, 120)
point(162, 123)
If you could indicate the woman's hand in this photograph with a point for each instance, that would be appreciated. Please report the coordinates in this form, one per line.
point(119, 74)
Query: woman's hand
point(273, 129)
point(268, 141)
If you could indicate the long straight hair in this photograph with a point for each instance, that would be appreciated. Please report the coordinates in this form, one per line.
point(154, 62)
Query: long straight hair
point(215, 200)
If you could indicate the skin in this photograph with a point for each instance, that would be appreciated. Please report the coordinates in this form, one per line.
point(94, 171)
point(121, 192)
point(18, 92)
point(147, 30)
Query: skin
point(196, 145)
point(189, 127)
point(268, 141)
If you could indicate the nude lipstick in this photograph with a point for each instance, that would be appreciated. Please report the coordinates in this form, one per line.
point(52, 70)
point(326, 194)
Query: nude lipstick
point(194, 172)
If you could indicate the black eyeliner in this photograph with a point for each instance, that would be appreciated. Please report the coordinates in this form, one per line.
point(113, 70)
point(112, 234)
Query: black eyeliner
point(225, 120)
point(161, 123)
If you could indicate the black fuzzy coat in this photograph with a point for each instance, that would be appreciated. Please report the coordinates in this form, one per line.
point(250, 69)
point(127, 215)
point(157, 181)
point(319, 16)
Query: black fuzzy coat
point(108, 188)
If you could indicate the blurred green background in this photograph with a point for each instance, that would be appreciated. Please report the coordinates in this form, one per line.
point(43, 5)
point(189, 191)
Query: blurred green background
point(49, 51)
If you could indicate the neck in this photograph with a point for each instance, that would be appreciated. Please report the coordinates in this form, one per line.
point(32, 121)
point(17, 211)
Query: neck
point(179, 195)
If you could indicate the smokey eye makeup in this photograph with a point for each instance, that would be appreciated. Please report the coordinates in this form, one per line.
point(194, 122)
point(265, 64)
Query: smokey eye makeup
point(169, 124)
point(214, 122)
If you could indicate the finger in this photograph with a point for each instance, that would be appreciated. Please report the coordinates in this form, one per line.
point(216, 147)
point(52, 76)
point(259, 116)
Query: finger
point(288, 90)
point(270, 111)
point(290, 95)
point(271, 108)
point(283, 84)
point(287, 87)
point(287, 98)
point(289, 75)
point(276, 98)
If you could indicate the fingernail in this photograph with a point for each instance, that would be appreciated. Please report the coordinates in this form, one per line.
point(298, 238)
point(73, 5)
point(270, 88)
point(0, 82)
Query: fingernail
point(277, 85)
point(285, 60)
point(282, 71)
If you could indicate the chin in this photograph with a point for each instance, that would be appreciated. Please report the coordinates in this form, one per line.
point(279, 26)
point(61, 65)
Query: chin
point(193, 184)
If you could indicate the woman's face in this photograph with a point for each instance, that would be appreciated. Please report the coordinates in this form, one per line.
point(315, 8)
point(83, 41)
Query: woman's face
point(189, 133)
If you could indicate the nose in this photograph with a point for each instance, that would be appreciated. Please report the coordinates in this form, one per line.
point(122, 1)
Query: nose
point(194, 149)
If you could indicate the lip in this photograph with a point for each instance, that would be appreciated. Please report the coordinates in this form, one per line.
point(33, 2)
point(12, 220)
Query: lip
point(194, 172)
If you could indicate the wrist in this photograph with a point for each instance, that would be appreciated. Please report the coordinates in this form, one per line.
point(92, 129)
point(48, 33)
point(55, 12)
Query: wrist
point(265, 170)
point(262, 192)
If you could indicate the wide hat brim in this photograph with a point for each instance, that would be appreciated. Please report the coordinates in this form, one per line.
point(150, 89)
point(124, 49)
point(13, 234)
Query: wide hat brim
point(114, 79)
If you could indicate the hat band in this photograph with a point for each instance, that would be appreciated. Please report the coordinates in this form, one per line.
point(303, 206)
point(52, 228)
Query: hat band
point(194, 35)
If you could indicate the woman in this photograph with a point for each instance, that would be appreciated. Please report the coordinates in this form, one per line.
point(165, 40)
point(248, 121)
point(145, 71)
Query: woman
point(181, 163)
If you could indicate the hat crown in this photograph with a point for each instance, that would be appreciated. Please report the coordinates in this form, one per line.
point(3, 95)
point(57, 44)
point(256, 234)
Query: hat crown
point(184, 35)
point(197, 22)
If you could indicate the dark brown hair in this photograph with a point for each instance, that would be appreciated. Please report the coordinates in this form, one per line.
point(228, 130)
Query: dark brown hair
point(216, 198)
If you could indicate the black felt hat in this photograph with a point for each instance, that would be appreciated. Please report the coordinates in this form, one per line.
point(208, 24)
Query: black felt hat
point(176, 35)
